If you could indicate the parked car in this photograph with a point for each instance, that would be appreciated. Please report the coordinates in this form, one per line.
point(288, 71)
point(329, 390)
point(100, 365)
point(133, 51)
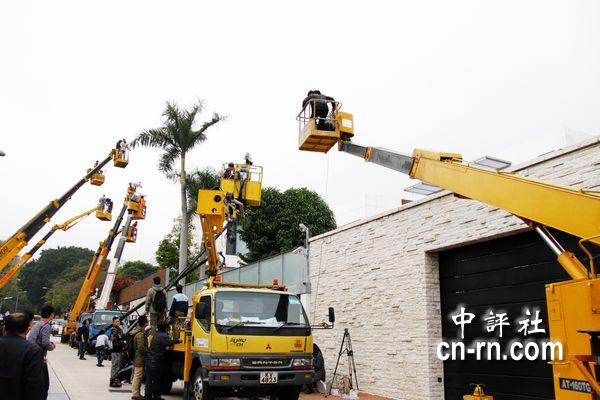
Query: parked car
point(58, 326)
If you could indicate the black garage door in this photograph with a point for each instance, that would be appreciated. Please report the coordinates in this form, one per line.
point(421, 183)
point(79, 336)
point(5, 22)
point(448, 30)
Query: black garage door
point(505, 275)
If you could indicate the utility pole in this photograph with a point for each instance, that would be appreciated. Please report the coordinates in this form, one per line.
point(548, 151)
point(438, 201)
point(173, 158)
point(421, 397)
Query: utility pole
point(306, 230)
point(2, 301)
point(17, 301)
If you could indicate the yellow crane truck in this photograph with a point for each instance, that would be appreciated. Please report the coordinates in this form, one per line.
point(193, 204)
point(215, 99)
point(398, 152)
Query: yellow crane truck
point(240, 340)
point(573, 305)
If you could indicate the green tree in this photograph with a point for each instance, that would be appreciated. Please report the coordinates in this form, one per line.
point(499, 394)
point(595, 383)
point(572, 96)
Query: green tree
point(167, 253)
point(272, 228)
point(137, 269)
point(11, 290)
point(64, 289)
point(176, 137)
point(51, 267)
point(206, 178)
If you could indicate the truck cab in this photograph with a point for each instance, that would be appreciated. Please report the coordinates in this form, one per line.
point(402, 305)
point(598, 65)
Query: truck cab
point(244, 341)
point(100, 319)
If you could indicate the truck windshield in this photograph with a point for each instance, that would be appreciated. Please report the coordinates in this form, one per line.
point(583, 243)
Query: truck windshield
point(270, 310)
point(104, 318)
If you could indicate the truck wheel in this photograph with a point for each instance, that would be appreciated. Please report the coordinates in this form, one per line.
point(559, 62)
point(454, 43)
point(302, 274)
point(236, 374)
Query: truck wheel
point(288, 393)
point(166, 385)
point(64, 339)
point(199, 389)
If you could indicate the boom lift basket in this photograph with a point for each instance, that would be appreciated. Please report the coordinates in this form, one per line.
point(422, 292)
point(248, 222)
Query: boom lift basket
point(131, 235)
point(137, 208)
point(103, 215)
point(97, 179)
point(246, 184)
point(321, 134)
point(120, 158)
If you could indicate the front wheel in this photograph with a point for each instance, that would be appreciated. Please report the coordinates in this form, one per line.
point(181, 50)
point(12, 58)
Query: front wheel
point(287, 393)
point(166, 385)
point(198, 387)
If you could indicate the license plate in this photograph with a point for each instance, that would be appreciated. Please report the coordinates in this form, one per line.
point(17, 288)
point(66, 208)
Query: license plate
point(268, 377)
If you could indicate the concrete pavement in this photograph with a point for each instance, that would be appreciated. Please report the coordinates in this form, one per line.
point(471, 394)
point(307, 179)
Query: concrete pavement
point(74, 379)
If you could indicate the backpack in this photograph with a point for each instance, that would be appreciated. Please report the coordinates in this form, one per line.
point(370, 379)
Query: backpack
point(160, 301)
point(129, 349)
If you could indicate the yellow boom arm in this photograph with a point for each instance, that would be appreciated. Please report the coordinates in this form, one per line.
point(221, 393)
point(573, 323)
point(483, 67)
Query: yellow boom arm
point(91, 278)
point(11, 247)
point(65, 226)
point(240, 187)
point(572, 305)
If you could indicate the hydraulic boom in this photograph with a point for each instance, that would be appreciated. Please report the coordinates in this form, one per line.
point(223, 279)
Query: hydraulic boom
point(82, 302)
point(65, 226)
point(11, 247)
point(573, 306)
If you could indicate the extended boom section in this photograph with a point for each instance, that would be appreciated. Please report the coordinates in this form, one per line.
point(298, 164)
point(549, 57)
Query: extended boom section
point(11, 247)
point(65, 226)
point(573, 305)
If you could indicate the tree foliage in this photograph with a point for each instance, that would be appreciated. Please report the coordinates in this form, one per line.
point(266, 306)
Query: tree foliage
point(137, 269)
point(206, 178)
point(272, 228)
point(178, 135)
point(167, 253)
point(57, 270)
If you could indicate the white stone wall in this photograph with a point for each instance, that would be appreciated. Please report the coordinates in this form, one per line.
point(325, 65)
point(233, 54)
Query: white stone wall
point(381, 275)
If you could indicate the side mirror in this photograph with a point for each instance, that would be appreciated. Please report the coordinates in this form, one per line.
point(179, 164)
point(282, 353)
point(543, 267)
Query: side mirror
point(200, 310)
point(331, 315)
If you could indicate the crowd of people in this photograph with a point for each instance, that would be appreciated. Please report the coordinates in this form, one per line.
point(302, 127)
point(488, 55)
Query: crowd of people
point(24, 345)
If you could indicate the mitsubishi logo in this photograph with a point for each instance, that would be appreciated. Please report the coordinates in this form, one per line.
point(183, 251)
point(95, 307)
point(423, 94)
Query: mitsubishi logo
point(268, 347)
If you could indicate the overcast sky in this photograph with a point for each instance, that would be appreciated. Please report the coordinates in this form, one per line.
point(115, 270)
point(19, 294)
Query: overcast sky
point(504, 78)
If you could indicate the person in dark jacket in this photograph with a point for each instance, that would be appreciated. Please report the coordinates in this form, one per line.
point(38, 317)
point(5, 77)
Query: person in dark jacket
point(117, 339)
point(319, 108)
point(83, 336)
point(156, 304)
point(229, 171)
point(40, 335)
point(21, 371)
point(140, 345)
point(154, 358)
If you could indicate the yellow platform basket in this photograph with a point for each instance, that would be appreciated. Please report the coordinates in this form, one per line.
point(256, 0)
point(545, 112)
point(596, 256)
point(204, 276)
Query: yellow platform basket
point(120, 158)
point(103, 215)
point(251, 189)
point(321, 134)
point(312, 139)
point(131, 235)
point(138, 209)
point(97, 179)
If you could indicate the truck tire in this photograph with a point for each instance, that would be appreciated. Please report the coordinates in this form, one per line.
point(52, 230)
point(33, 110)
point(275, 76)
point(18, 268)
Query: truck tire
point(287, 393)
point(166, 385)
point(198, 388)
point(64, 339)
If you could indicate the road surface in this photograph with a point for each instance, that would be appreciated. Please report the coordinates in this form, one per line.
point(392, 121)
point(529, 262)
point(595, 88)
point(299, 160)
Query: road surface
point(74, 379)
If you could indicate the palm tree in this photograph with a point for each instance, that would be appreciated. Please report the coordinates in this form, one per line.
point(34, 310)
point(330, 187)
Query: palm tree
point(176, 137)
point(206, 178)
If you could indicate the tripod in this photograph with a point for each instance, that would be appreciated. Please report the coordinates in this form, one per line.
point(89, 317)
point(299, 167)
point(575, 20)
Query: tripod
point(346, 340)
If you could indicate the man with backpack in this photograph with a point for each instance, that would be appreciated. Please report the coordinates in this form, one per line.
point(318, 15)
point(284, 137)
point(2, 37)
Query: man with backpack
point(117, 338)
point(136, 350)
point(40, 335)
point(156, 304)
